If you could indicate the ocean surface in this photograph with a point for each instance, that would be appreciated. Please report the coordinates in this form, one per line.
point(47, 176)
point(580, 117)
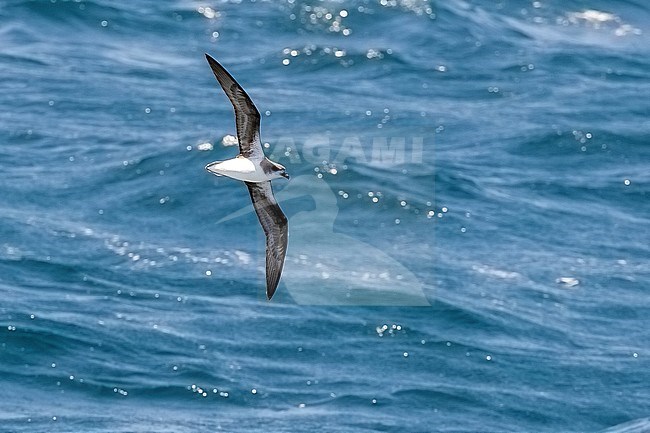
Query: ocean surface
point(469, 216)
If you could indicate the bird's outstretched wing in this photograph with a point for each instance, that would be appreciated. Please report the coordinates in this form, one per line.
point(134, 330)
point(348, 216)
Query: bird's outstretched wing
point(274, 223)
point(247, 118)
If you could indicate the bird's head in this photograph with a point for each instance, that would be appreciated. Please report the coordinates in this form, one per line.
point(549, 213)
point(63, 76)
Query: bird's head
point(279, 171)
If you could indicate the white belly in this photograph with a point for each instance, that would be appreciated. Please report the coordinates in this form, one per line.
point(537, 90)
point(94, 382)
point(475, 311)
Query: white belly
point(239, 168)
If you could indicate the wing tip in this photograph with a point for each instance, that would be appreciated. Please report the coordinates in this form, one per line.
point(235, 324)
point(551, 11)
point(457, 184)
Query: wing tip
point(212, 62)
point(271, 287)
point(272, 282)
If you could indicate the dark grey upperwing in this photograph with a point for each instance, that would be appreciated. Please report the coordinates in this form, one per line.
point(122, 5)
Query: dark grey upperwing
point(274, 223)
point(247, 118)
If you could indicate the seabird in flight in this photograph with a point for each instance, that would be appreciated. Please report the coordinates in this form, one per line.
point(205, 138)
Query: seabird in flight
point(257, 171)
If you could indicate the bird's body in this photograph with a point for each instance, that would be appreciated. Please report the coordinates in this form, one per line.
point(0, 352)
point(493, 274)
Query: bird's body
point(244, 169)
point(252, 167)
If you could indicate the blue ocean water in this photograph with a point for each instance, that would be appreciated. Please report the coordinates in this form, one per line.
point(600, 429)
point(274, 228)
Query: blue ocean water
point(469, 217)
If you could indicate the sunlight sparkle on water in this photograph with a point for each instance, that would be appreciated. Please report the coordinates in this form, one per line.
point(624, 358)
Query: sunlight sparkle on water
point(204, 146)
point(207, 12)
point(229, 140)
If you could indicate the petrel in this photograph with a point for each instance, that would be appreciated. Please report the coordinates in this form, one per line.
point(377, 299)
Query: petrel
point(256, 171)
